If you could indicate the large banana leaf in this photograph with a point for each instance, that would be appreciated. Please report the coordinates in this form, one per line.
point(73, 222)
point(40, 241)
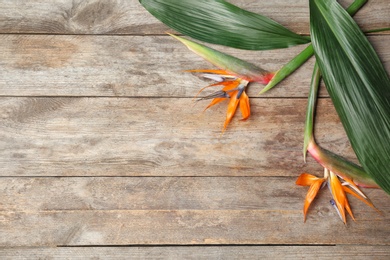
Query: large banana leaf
point(219, 22)
point(357, 83)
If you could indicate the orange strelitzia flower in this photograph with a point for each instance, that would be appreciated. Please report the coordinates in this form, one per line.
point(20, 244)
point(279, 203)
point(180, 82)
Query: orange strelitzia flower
point(233, 75)
point(233, 88)
point(338, 188)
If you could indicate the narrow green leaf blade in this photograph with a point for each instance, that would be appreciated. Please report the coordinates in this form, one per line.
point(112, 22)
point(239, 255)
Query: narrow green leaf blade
point(357, 83)
point(302, 57)
point(219, 22)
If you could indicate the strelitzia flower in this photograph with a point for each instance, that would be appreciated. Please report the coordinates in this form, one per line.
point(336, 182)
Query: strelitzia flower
point(233, 89)
point(233, 75)
point(338, 187)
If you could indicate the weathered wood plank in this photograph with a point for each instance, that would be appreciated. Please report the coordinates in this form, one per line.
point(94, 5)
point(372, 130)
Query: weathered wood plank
point(202, 252)
point(32, 194)
point(38, 65)
point(129, 17)
point(41, 65)
point(184, 227)
point(160, 211)
point(158, 137)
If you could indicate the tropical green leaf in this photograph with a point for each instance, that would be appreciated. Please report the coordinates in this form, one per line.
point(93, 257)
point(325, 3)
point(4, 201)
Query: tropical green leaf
point(219, 22)
point(302, 57)
point(357, 83)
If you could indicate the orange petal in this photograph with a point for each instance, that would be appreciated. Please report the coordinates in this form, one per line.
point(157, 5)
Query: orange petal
point(306, 179)
point(348, 208)
point(244, 106)
point(311, 194)
point(230, 85)
point(355, 194)
point(338, 195)
point(232, 107)
point(215, 101)
point(351, 183)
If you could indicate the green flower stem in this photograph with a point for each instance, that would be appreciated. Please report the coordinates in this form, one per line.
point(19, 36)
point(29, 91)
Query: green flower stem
point(378, 30)
point(355, 6)
point(302, 57)
point(311, 105)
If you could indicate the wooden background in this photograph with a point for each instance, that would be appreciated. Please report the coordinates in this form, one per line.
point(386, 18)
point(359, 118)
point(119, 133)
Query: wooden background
point(104, 153)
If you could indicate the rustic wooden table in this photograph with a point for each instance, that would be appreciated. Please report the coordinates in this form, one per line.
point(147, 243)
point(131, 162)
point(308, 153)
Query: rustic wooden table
point(104, 153)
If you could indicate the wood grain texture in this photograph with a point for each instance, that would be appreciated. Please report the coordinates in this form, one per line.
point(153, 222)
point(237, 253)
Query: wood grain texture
point(129, 17)
point(201, 252)
point(131, 211)
point(42, 65)
point(34, 195)
point(158, 137)
point(186, 227)
point(102, 145)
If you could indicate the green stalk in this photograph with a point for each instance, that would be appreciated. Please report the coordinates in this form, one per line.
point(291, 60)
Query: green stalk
point(302, 57)
point(355, 6)
point(310, 110)
point(378, 30)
